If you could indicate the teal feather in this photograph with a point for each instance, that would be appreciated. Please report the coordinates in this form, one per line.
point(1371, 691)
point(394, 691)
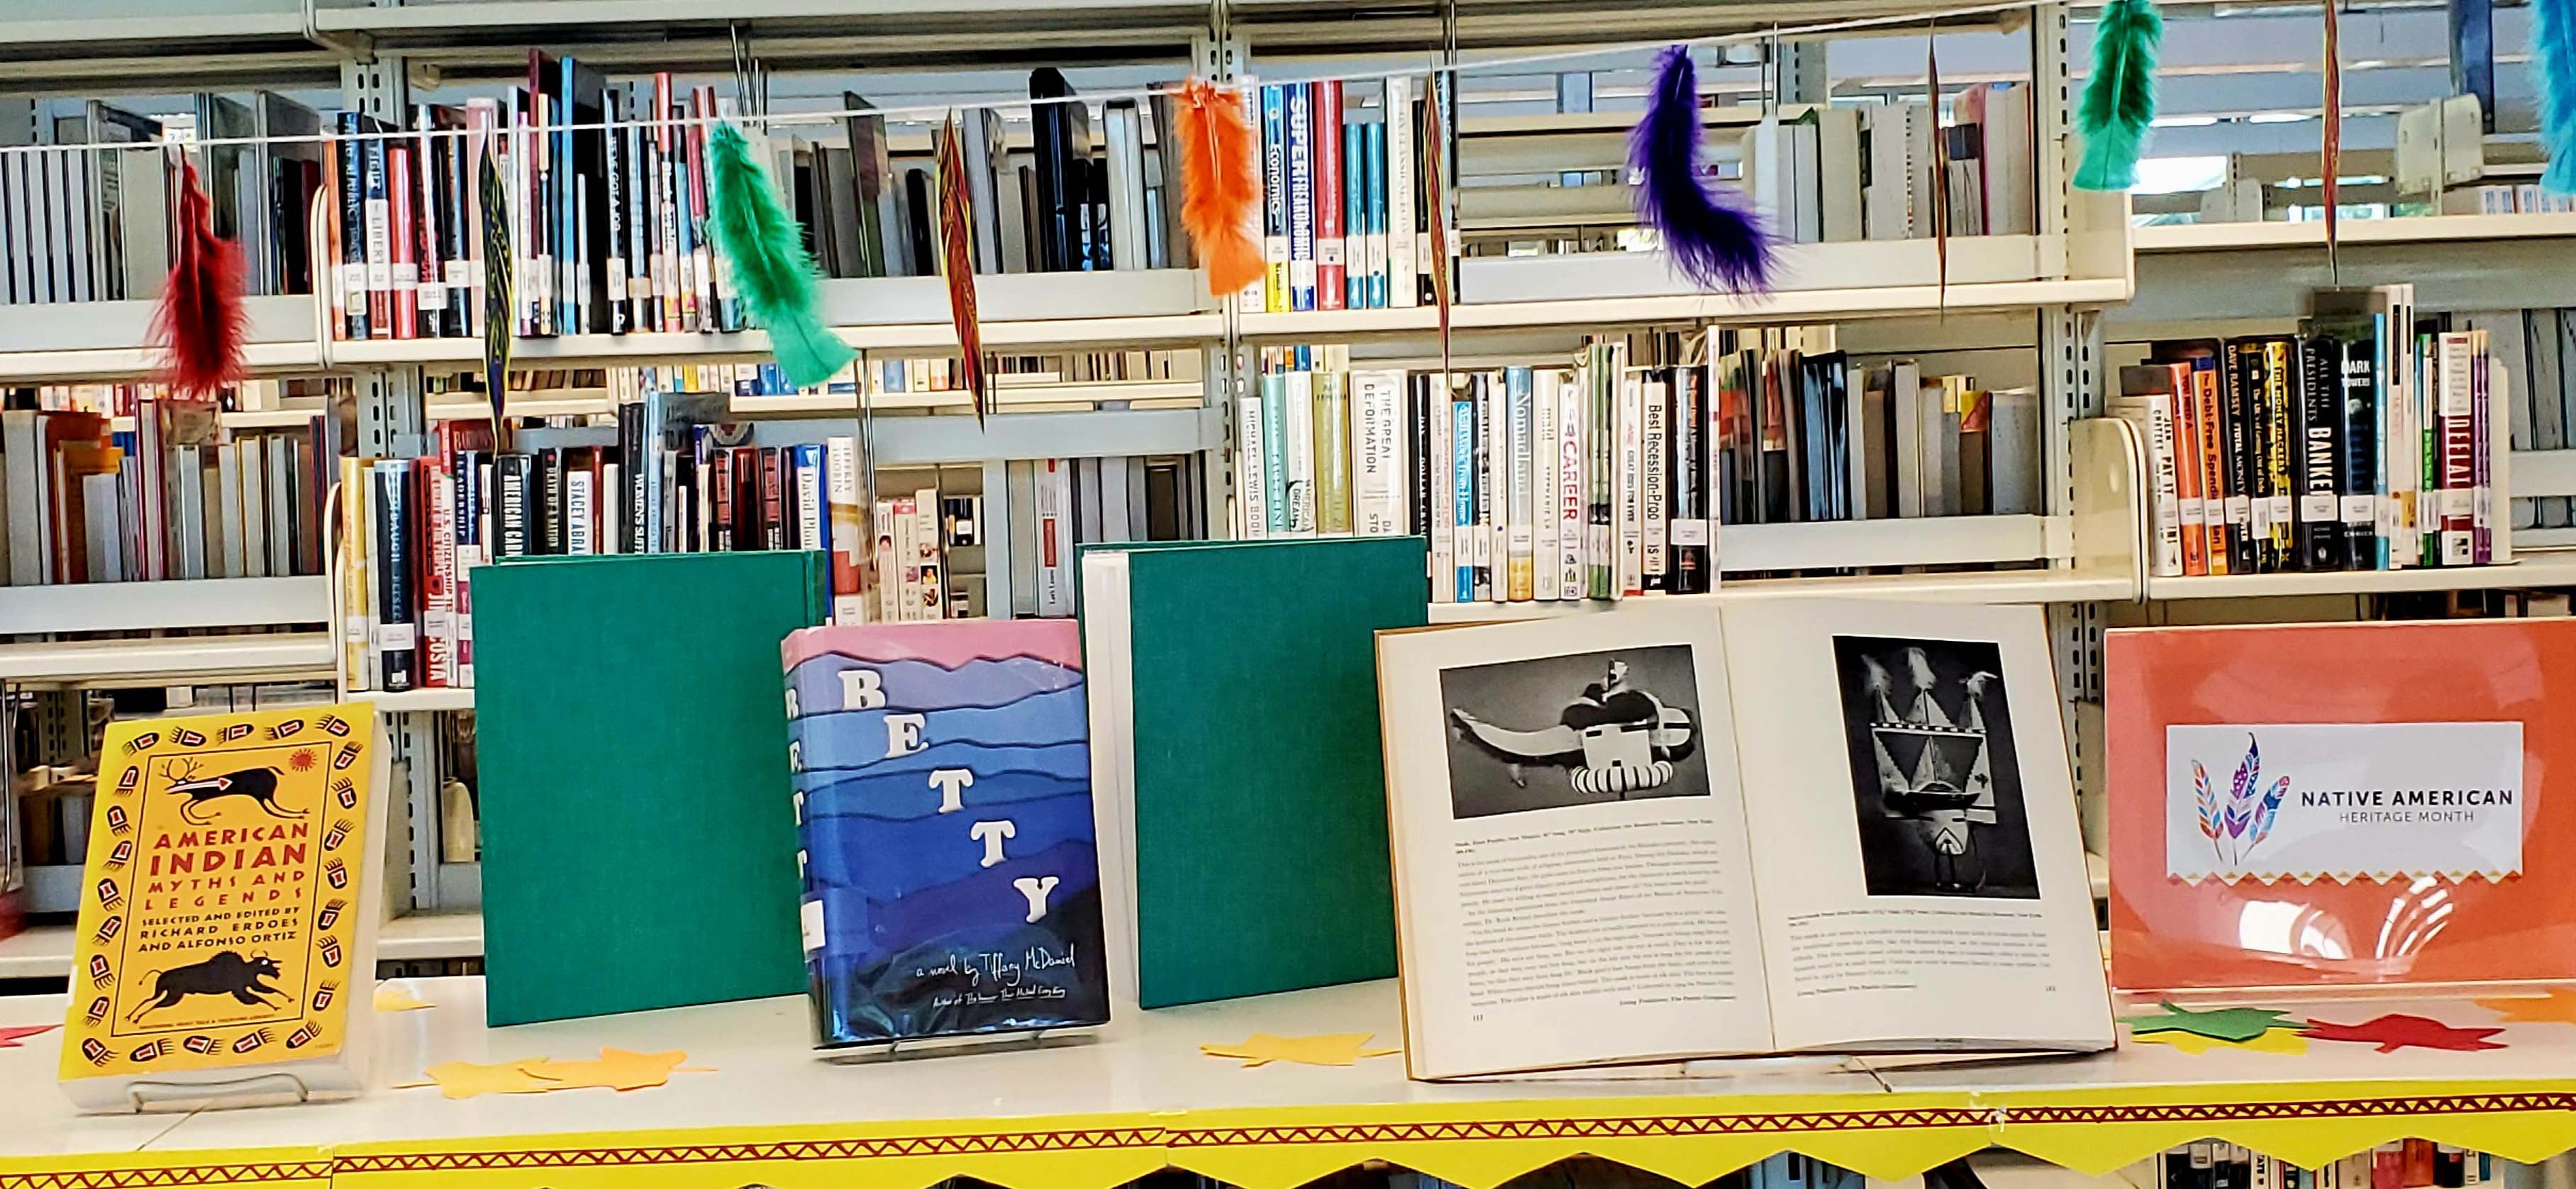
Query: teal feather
point(2119, 95)
point(765, 252)
point(2553, 75)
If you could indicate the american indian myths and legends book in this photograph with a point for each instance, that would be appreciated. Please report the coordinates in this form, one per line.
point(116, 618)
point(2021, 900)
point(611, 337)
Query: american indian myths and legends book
point(943, 791)
point(226, 943)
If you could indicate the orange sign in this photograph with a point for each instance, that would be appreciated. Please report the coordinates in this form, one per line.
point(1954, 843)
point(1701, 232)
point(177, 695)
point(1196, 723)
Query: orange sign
point(2422, 850)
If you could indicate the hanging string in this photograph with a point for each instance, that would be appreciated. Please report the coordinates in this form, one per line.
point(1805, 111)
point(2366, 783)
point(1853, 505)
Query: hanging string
point(938, 110)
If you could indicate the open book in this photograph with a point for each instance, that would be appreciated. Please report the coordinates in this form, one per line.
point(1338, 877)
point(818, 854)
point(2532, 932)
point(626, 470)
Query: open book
point(1678, 832)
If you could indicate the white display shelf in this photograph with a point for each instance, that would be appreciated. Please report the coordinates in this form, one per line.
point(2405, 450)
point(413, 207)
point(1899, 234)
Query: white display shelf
point(46, 950)
point(185, 603)
point(1138, 1094)
point(414, 701)
point(88, 342)
point(2219, 237)
point(2530, 568)
point(281, 656)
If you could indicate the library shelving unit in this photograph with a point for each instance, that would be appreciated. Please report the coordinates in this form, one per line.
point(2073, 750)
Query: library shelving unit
point(757, 1105)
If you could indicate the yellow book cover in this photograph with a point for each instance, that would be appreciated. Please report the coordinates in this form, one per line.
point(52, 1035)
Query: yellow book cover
point(224, 918)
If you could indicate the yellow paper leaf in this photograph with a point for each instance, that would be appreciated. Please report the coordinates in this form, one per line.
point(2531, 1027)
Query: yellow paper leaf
point(465, 1079)
point(616, 1069)
point(2284, 1041)
point(392, 998)
point(1339, 1048)
point(2558, 1006)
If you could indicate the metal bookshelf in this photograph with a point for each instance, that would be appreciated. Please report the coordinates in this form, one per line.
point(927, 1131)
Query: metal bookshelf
point(2052, 288)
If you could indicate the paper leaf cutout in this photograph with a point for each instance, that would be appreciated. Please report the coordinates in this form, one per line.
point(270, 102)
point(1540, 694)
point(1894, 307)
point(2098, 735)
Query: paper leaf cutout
point(1339, 1048)
point(2394, 1032)
point(616, 1069)
point(9, 1034)
point(2285, 1041)
point(465, 1079)
point(2234, 1025)
point(2556, 1007)
point(391, 998)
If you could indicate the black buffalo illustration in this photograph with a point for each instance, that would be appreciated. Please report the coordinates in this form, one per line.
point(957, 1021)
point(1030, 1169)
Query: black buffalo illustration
point(227, 973)
point(258, 784)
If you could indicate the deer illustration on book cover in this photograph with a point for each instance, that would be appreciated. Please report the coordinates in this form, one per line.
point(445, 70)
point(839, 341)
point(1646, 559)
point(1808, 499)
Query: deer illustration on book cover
point(943, 791)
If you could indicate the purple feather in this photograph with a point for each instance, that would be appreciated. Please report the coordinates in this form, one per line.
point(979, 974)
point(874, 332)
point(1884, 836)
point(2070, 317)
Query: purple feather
point(1714, 240)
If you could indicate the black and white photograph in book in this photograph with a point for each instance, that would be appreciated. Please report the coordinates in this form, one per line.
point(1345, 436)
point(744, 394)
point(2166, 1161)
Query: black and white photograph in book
point(1586, 728)
point(1935, 780)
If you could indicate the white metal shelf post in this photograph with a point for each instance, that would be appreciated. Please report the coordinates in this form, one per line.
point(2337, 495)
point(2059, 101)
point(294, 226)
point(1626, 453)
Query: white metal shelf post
point(2070, 341)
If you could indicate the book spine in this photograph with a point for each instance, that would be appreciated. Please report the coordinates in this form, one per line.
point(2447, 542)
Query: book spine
point(2358, 373)
point(429, 286)
point(2167, 560)
point(354, 544)
point(1568, 496)
point(1601, 551)
point(774, 518)
point(1689, 468)
point(2281, 414)
point(1546, 459)
point(1628, 488)
point(349, 226)
point(1402, 286)
point(1379, 408)
point(1462, 493)
point(1654, 505)
point(1301, 196)
point(403, 244)
point(1274, 449)
point(1439, 467)
point(2484, 507)
point(2189, 481)
point(1250, 456)
point(1332, 269)
point(2459, 448)
point(1256, 295)
point(513, 476)
point(379, 244)
point(438, 582)
point(1276, 289)
point(1333, 488)
point(850, 537)
point(807, 512)
point(1373, 195)
point(2236, 377)
point(1521, 416)
point(2212, 427)
point(616, 188)
point(397, 636)
point(473, 483)
point(2320, 508)
point(1492, 584)
point(1300, 424)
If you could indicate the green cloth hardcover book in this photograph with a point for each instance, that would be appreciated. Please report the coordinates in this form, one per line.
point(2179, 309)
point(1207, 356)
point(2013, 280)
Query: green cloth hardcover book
point(1236, 768)
point(639, 835)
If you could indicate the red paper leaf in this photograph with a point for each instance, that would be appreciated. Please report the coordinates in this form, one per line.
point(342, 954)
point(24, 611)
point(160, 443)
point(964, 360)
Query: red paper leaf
point(9, 1035)
point(2394, 1032)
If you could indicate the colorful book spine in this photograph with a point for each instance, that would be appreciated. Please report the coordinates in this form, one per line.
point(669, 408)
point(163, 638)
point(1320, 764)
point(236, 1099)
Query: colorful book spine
point(1299, 427)
point(1277, 289)
point(1274, 448)
point(1439, 468)
point(1653, 479)
point(1521, 419)
point(1251, 457)
point(1462, 456)
point(1300, 145)
point(1572, 525)
point(1401, 209)
point(1324, 141)
point(1332, 451)
point(1546, 481)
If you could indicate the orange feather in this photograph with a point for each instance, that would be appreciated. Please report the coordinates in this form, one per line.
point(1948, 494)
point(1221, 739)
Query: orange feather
point(1219, 187)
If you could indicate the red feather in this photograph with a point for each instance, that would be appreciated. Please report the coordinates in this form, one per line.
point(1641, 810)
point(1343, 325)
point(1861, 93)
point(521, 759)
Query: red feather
point(1219, 187)
point(201, 319)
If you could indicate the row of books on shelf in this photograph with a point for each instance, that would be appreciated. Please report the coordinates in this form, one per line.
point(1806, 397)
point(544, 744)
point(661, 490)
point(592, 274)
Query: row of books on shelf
point(2402, 1164)
point(1894, 170)
point(1609, 478)
point(2366, 441)
point(82, 225)
point(2536, 353)
point(174, 497)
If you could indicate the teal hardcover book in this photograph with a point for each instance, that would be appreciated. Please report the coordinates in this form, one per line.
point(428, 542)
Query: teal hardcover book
point(639, 834)
point(1236, 761)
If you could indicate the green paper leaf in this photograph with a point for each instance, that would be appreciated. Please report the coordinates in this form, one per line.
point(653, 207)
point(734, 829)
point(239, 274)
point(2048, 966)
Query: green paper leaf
point(2235, 1025)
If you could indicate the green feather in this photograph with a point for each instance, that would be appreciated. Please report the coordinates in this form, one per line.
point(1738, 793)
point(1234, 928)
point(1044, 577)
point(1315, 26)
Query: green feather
point(766, 254)
point(2120, 94)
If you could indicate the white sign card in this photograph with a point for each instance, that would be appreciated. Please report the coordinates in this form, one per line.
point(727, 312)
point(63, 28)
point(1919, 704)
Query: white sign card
point(2343, 800)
